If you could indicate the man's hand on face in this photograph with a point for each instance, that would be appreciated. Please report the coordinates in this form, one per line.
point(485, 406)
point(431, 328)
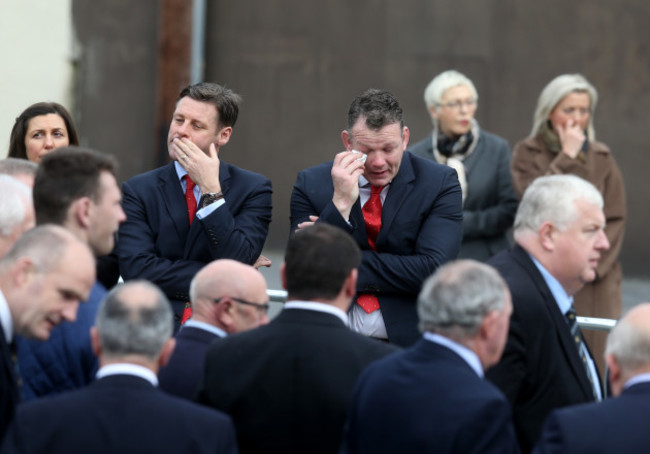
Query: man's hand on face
point(346, 171)
point(202, 168)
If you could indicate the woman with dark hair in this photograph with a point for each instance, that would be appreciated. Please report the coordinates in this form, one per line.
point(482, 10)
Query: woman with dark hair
point(41, 128)
point(563, 141)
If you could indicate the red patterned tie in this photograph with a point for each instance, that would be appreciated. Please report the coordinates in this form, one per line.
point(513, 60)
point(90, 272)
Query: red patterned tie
point(191, 211)
point(372, 216)
point(189, 197)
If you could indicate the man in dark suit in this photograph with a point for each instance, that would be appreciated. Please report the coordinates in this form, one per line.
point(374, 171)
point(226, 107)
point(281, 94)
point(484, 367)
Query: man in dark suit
point(613, 425)
point(559, 238)
point(287, 384)
point(42, 280)
point(228, 297)
point(432, 397)
point(123, 411)
point(404, 212)
point(76, 189)
point(177, 223)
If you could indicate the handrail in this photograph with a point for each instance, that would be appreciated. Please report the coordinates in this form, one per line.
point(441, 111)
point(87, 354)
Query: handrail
point(593, 323)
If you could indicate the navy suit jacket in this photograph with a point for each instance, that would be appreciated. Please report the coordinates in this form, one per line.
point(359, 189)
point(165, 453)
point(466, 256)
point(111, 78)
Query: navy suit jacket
point(611, 426)
point(427, 399)
point(540, 369)
point(287, 384)
point(9, 395)
point(66, 360)
point(184, 370)
point(421, 229)
point(157, 243)
point(119, 413)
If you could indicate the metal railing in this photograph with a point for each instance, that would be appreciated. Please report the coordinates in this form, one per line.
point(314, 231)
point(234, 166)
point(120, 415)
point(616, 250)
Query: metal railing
point(593, 323)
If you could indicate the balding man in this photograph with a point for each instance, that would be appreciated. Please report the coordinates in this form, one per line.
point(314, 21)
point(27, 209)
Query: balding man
point(16, 211)
point(123, 411)
point(42, 280)
point(227, 297)
point(614, 425)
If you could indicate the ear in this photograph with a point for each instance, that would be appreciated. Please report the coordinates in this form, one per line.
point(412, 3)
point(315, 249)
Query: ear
point(488, 325)
point(283, 275)
point(225, 314)
point(223, 136)
point(79, 212)
point(614, 375)
point(347, 139)
point(546, 235)
point(22, 271)
point(166, 352)
point(405, 137)
point(95, 343)
point(433, 112)
point(350, 284)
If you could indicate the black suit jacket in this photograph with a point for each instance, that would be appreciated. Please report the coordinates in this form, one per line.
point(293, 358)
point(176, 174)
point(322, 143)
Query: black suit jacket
point(421, 229)
point(9, 393)
point(157, 243)
point(287, 384)
point(120, 413)
point(427, 399)
point(614, 425)
point(491, 202)
point(540, 369)
point(184, 370)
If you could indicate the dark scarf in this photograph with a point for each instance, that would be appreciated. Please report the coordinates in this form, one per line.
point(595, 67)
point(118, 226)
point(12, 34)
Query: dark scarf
point(455, 145)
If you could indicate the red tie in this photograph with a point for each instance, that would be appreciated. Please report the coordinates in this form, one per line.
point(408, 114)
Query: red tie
point(189, 197)
point(372, 216)
point(191, 211)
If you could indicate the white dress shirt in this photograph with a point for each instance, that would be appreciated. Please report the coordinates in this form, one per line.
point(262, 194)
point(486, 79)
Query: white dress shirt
point(360, 321)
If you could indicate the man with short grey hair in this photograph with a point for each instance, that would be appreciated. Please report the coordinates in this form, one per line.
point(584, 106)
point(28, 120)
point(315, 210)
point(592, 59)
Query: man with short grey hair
point(614, 425)
point(123, 411)
point(21, 169)
point(432, 397)
point(559, 235)
point(16, 211)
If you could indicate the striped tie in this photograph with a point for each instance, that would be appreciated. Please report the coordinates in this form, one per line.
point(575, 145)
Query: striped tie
point(576, 334)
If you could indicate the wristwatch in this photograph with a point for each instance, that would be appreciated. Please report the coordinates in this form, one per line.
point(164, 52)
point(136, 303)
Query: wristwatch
point(210, 197)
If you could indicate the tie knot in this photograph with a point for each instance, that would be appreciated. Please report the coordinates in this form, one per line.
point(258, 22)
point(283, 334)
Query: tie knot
point(374, 190)
point(189, 182)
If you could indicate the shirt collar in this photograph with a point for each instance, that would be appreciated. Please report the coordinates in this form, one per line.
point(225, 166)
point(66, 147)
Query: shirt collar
point(5, 318)
point(318, 307)
point(127, 369)
point(180, 171)
point(468, 355)
point(563, 300)
point(641, 378)
point(205, 327)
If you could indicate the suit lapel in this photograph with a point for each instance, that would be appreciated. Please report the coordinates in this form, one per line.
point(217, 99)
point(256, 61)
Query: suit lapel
point(174, 199)
point(562, 328)
point(399, 190)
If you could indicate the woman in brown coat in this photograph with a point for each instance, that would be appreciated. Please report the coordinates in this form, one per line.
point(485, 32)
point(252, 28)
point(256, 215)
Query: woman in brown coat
point(563, 142)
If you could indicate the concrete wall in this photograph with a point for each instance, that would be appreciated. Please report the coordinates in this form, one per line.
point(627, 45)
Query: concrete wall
point(299, 64)
point(37, 48)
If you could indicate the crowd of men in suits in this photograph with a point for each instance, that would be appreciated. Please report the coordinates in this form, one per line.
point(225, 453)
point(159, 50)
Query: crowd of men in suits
point(182, 357)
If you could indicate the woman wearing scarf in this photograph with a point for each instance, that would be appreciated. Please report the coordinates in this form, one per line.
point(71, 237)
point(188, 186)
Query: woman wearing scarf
point(563, 142)
point(481, 159)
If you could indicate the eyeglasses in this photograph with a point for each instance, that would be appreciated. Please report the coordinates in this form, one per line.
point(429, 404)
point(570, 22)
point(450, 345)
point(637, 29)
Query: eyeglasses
point(264, 307)
point(469, 103)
